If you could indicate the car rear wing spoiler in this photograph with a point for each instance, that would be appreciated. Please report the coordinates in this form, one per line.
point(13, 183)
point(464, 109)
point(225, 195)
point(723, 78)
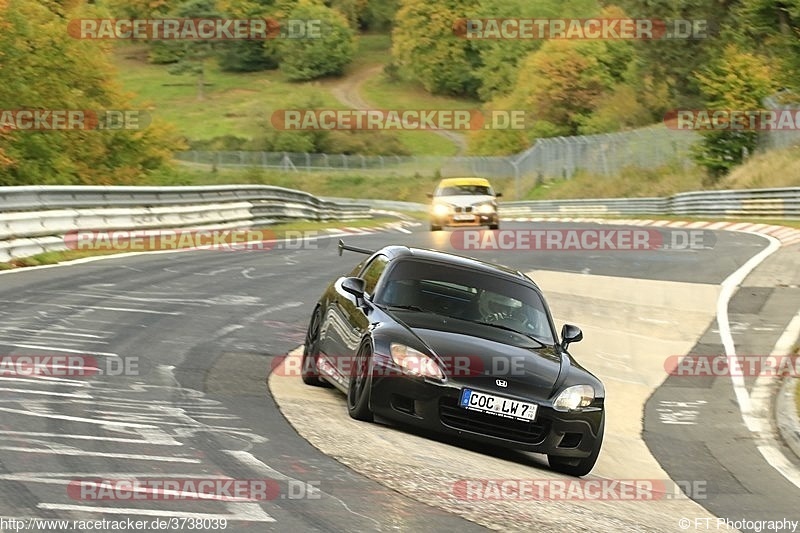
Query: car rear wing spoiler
point(343, 246)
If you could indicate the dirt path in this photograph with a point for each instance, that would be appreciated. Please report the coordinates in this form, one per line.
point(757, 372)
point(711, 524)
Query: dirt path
point(348, 91)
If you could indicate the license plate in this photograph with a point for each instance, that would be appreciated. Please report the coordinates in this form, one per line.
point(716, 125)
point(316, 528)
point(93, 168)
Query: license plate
point(461, 218)
point(497, 405)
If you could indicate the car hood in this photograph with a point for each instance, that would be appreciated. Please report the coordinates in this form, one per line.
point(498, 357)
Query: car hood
point(463, 200)
point(487, 358)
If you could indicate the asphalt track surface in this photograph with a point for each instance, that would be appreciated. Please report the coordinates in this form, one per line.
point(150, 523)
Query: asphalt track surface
point(199, 331)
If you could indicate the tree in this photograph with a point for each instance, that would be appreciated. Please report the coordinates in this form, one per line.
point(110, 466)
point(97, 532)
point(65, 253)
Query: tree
point(44, 68)
point(773, 28)
point(310, 57)
point(737, 81)
point(249, 55)
point(500, 58)
point(193, 54)
point(563, 82)
point(425, 47)
point(378, 15)
point(673, 61)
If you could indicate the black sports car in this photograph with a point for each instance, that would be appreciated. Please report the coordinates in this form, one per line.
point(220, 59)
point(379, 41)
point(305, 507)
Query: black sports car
point(459, 346)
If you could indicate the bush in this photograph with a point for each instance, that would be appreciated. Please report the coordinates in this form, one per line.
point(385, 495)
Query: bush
point(305, 59)
point(248, 56)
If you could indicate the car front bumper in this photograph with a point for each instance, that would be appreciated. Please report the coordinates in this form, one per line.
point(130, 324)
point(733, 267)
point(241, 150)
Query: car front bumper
point(434, 406)
point(477, 219)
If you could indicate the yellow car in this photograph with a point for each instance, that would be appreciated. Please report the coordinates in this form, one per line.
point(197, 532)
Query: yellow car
point(464, 202)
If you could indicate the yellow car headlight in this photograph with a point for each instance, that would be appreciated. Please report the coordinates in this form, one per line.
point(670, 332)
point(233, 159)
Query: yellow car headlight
point(441, 210)
point(486, 209)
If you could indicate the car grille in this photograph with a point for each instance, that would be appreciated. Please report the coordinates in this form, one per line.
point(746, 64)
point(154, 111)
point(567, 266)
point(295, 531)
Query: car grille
point(533, 432)
point(467, 209)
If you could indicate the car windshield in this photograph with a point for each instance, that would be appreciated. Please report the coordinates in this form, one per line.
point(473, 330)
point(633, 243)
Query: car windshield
point(465, 190)
point(467, 295)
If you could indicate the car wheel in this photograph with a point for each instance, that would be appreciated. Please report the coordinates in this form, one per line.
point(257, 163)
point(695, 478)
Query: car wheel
point(573, 466)
point(359, 388)
point(434, 227)
point(311, 353)
point(494, 226)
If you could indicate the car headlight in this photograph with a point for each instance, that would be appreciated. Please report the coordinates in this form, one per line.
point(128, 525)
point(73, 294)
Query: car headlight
point(415, 362)
point(574, 397)
point(441, 209)
point(486, 209)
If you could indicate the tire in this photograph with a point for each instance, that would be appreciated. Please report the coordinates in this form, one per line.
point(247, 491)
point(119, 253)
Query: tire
point(573, 466)
point(494, 226)
point(358, 391)
point(311, 353)
point(434, 227)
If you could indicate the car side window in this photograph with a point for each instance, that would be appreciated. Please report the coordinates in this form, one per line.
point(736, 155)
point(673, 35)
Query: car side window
point(372, 272)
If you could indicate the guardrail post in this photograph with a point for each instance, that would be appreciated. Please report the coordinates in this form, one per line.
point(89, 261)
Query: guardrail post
point(516, 180)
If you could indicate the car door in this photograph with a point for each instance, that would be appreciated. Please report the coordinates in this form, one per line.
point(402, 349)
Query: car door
point(347, 321)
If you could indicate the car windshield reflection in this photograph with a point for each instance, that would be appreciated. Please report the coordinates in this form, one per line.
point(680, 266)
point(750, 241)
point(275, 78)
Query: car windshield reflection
point(467, 295)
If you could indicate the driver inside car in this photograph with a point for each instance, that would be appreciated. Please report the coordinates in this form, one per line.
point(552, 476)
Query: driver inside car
point(498, 309)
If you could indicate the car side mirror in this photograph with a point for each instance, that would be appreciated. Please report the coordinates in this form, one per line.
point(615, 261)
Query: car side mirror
point(354, 286)
point(429, 195)
point(353, 289)
point(570, 334)
point(498, 195)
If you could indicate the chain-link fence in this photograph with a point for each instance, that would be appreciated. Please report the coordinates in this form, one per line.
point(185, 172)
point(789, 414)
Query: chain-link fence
point(604, 154)
point(558, 157)
point(308, 162)
point(787, 136)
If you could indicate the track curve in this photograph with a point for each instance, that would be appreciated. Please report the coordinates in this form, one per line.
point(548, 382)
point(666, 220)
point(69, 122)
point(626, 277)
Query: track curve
point(204, 327)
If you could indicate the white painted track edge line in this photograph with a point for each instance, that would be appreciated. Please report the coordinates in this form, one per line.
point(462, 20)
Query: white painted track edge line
point(771, 454)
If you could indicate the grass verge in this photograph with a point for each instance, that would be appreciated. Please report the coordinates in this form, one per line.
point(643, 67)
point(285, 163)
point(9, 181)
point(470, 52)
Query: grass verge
point(52, 258)
point(239, 104)
point(797, 385)
point(372, 49)
point(342, 184)
point(797, 397)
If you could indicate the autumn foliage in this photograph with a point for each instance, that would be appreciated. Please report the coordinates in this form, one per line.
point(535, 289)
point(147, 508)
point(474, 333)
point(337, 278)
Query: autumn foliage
point(43, 68)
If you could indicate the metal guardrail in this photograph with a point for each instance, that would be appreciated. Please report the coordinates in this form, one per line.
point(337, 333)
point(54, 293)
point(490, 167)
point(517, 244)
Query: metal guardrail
point(35, 219)
point(779, 203)
point(641, 206)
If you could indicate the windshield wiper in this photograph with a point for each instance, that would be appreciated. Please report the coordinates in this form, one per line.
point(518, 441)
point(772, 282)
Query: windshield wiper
point(409, 308)
point(419, 309)
point(506, 328)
